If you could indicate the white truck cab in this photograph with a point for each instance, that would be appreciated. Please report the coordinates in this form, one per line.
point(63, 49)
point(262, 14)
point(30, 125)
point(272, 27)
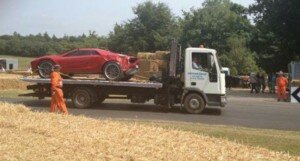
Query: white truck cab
point(203, 76)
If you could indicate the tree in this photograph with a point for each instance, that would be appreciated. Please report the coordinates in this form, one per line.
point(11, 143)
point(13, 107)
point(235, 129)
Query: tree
point(239, 58)
point(217, 25)
point(277, 38)
point(152, 29)
point(214, 24)
point(38, 45)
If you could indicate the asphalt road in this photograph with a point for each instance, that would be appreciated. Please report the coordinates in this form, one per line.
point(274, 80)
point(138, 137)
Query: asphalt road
point(243, 109)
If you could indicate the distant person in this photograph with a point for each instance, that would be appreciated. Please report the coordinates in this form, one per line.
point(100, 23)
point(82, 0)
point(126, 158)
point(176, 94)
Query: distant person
point(260, 80)
point(264, 82)
point(57, 99)
point(272, 82)
point(281, 83)
point(253, 82)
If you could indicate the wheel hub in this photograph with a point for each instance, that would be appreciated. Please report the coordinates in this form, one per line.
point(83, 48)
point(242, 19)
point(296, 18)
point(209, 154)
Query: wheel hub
point(81, 99)
point(45, 69)
point(194, 103)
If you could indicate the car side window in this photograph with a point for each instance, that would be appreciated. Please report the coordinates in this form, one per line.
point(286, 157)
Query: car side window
point(73, 53)
point(87, 52)
point(82, 53)
point(93, 52)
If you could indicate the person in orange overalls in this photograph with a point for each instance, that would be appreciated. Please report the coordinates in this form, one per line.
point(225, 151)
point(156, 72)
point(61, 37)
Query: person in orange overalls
point(57, 99)
point(281, 83)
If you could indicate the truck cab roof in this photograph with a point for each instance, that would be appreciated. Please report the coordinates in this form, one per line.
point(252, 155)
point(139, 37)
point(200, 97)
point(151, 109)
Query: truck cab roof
point(206, 50)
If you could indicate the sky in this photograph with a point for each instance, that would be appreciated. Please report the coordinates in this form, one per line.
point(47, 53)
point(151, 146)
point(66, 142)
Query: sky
point(75, 17)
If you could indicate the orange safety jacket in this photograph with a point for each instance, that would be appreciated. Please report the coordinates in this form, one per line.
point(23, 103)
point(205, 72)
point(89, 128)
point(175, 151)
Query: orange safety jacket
point(281, 81)
point(56, 81)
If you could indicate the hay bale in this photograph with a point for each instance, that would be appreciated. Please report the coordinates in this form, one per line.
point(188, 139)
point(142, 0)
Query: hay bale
point(12, 81)
point(295, 83)
point(162, 55)
point(146, 55)
point(148, 74)
point(151, 65)
point(20, 72)
point(154, 65)
point(27, 135)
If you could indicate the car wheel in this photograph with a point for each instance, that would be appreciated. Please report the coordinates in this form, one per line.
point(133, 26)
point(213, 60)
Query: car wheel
point(194, 103)
point(112, 71)
point(45, 69)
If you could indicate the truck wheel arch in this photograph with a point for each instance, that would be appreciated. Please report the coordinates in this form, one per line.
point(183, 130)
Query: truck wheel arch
point(111, 61)
point(188, 91)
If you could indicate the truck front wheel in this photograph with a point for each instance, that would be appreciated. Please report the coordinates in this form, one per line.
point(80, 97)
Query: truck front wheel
point(82, 98)
point(194, 103)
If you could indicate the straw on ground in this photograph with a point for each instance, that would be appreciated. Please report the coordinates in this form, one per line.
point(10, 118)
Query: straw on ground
point(26, 135)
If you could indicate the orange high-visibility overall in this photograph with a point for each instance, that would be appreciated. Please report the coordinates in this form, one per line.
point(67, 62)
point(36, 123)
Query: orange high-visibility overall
point(281, 83)
point(57, 99)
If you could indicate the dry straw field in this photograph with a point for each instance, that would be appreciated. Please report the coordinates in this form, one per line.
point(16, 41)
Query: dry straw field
point(26, 135)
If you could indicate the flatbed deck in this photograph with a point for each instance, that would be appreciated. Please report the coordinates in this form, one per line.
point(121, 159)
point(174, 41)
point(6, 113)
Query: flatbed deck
point(98, 82)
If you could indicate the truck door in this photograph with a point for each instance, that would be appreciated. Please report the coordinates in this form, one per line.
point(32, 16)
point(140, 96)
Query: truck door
point(201, 72)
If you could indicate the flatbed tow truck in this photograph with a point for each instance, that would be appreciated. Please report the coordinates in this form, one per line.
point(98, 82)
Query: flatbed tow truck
point(194, 89)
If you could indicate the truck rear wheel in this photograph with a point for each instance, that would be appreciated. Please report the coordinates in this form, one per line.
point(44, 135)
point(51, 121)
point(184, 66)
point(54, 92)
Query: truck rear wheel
point(194, 103)
point(83, 98)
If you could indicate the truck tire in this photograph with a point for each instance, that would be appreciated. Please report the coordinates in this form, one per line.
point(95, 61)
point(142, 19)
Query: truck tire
point(194, 103)
point(83, 97)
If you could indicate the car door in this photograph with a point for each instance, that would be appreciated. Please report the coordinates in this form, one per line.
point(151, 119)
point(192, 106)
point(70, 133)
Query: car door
point(96, 62)
point(77, 61)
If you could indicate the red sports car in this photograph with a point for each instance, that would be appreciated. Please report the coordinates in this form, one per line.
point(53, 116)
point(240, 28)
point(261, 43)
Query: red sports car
point(113, 66)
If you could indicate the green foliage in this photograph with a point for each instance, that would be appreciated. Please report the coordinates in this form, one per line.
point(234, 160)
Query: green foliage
point(38, 45)
point(152, 29)
point(213, 24)
point(239, 58)
point(217, 25)
point(277, 37)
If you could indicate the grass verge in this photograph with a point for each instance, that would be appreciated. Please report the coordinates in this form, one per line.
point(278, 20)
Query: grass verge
point(12, 93)
point(275, 140)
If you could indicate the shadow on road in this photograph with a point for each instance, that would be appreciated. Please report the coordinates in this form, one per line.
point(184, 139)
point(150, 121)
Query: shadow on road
point(244, 92)
point(122, 107)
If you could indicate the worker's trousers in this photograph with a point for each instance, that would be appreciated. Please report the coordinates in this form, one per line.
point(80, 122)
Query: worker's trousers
point(57, 101)
point(281, 92)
